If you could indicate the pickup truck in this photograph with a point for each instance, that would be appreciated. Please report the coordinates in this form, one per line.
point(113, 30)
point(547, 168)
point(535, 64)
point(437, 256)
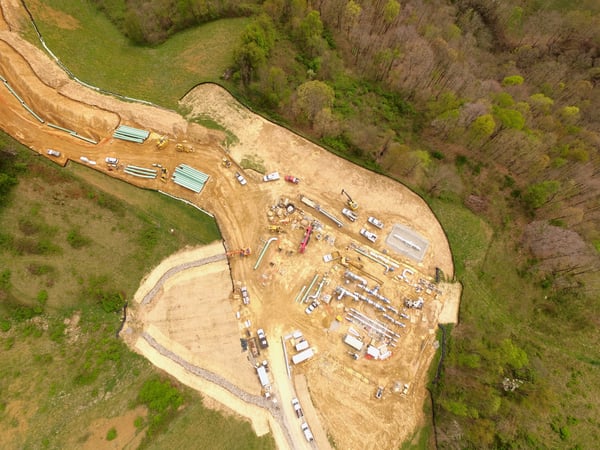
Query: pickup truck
point(240, 178)
point(351, 215)
point(297, 408)
point(245, 296)
point(375, 222)
point(366, 233)
point(53, 152)
point(310, 308)
point(271, 176)
point(262, 338)
point(292, 179)
point(307, 433)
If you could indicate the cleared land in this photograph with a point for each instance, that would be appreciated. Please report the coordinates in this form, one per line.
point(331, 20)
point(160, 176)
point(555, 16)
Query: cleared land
point(193, 314)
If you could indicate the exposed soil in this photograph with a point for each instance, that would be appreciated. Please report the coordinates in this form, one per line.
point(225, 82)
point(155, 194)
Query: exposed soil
point(193, 312)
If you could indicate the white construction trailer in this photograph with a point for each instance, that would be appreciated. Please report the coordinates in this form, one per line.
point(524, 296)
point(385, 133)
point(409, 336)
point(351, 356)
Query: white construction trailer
point(353, 342)
point(303, 356)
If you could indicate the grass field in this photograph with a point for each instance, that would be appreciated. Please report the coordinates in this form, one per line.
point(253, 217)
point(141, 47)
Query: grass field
point(69, 246)
point(161, 74)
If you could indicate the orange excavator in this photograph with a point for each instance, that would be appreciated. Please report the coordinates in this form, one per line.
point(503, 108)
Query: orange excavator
point(240, 252)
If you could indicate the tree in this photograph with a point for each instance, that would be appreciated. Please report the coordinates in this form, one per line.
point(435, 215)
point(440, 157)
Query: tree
point(310, 34)
point(538, 194)
point(312, 97)
point(352, 12)
point(257, 40)
point(482, 128)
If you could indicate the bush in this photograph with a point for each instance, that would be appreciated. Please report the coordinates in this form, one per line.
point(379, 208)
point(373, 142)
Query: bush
point(112, 434)
point(77, 240)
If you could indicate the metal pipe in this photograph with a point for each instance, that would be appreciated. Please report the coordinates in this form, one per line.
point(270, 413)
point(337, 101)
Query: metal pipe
point(263, 251)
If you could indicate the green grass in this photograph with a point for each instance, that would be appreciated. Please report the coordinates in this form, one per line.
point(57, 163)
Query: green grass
point(54, 384)
point(205, 428)
point(161, 74)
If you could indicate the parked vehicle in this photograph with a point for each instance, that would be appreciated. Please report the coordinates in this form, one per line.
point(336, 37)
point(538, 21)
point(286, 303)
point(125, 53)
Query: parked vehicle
point(245, 296)
point(310, 308)
point(350, 215)
point(366, 233)
point(375, 222)
point(111, 160)
point(262, 338)
point(297, 408)
point(53, 152)
point(307, 433)
point(241, 178)
point(379, 393)
point(271, 176)
point(292, 179)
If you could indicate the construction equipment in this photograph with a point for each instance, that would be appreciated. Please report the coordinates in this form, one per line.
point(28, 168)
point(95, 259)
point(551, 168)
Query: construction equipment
point(226, 163)
point(161, 142)
point(164, 175)
point(276, 229)
point(304, 242)
point(240, 252)
point(186, 148)
point(351, 203)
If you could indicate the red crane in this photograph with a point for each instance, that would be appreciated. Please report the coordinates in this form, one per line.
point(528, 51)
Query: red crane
point(304, 242)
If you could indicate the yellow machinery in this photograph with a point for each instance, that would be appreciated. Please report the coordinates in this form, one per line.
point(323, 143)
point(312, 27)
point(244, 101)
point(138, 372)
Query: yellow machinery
point(351, 203)
point(226, 163)
point(162, 142)
point(187, 148)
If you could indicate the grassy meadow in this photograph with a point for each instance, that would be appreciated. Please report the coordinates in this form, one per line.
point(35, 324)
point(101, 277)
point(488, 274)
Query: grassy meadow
point(94, 50)
point(74, 246)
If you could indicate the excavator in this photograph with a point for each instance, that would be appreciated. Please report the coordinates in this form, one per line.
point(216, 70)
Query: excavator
point(240, 252)
point(351, 203)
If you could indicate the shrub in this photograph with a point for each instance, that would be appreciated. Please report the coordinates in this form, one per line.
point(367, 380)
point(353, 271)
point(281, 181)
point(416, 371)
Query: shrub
point(77, 240)
point(112, 434)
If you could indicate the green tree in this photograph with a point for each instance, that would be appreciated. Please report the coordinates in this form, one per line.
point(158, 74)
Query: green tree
point(312, 97)
point(310, 35)
point(256, 44)
point(538, 194)
point(391, 11)
point(482, 128)
point(510, 118)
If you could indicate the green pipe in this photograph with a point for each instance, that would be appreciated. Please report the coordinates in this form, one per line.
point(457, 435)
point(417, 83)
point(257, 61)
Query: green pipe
point(263, 251)
point(312, 283)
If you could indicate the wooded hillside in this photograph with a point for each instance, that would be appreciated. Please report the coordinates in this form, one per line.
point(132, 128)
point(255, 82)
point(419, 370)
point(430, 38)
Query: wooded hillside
point(489, 110)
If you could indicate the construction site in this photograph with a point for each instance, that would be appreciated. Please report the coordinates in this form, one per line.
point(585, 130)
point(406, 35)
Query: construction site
point(325, 291)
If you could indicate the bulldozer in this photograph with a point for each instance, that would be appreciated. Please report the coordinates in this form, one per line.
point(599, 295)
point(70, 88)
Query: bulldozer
point(164, 174)
point(226, 163)
point(162, 142)
point(276, 229)
point(186, 148)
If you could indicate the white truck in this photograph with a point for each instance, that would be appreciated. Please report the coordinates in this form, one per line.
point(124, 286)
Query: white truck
point(375, 222)
point(366, 233)
point(271, 176)
point(241, 178)
point(297, 408)
point(262, 338)
point(307, 433)
point(52, 152)
point(350, 215)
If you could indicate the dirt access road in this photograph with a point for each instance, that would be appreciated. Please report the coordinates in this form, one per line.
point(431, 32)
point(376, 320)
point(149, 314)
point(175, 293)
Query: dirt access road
point(197, 313)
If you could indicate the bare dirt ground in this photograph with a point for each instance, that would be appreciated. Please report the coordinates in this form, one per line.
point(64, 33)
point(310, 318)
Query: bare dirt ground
point(193, 312)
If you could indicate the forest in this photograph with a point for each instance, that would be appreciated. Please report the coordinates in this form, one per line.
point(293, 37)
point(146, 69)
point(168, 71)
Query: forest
point(487, 109)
